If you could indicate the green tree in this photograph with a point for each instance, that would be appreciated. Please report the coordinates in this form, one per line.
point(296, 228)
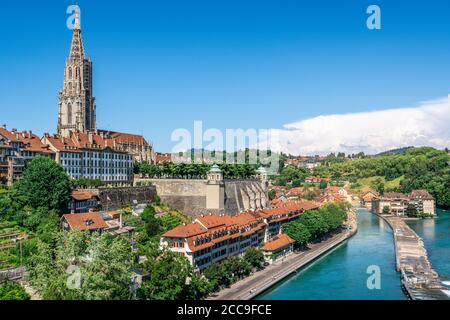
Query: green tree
point(12, 291)
point(272, 194)
point(298, 232)
point(254, 257)
point(386, 210)
point(323, 184)
point(171, 278)
point(297, 183)
point(218, 276)
point(378, 185)
point(411, 211)
point(152, 224)
point(172, 220)
point(45, 184)
point(102, 261)
point(315, 224)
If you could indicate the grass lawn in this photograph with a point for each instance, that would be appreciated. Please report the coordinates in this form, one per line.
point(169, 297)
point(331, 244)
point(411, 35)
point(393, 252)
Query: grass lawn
point(365, 183)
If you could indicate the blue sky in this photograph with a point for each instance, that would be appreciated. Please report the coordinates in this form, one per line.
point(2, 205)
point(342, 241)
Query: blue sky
point(161, 65)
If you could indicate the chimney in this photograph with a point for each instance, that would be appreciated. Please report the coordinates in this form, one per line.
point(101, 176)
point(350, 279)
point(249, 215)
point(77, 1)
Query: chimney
point(91, 138)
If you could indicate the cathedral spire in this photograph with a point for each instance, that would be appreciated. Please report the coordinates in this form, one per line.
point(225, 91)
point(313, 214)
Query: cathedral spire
point(77, 18)
point(77, 110)
point(77, 49)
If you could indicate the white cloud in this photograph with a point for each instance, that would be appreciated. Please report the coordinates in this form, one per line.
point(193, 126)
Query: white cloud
point(428, 124)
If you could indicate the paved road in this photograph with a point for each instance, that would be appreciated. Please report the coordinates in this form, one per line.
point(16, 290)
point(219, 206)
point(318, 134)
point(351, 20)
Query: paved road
point(251, 286)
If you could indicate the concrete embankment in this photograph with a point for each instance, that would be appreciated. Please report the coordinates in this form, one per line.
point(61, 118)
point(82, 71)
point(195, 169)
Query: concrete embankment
point(255, 284)
point(418, 278)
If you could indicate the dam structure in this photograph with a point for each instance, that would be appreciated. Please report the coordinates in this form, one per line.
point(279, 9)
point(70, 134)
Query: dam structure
point(419, 279)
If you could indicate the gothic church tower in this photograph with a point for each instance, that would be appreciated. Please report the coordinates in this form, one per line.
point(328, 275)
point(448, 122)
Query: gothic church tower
point(76, 107)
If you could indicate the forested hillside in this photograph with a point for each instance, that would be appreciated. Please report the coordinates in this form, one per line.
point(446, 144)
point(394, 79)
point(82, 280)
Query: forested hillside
point(418, 168)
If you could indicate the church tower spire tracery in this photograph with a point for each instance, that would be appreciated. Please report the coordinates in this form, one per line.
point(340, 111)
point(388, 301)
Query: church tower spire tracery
point(76, 103)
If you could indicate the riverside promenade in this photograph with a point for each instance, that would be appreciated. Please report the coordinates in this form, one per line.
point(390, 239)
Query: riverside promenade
point(418, 278)
point(248, 288)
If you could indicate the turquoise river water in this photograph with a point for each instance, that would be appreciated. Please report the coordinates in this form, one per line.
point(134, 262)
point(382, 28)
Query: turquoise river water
point(342, 273)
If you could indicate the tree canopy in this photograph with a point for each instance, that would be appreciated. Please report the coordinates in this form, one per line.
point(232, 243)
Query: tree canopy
point(314, 224)
point(82, 266)
point(12, 291)
point(194, 171)
point(45, 184)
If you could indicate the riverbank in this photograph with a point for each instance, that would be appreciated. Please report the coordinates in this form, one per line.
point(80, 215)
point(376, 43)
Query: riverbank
point(258, 282)
point(419, 279)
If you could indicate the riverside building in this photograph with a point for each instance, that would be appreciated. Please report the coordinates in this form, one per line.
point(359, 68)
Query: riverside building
point(397, 203)
point(213, 238)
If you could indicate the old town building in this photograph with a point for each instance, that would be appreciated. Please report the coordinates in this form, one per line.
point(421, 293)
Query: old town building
point(397, 203)
point(135, 144)
point(84, 201)
point(16, 148)
point(92, 156)
point(367, 197)
point(212, 238)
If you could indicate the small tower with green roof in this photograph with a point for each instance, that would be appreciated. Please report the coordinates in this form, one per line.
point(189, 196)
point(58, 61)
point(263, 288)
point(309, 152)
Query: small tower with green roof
point(215, 189)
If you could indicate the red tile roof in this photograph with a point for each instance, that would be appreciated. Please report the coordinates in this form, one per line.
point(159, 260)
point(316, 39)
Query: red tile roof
point(33, 143)
point(280, 241)
point(62, 144)
point(85, 221)
point(8, 134)
point(160, 158)
point(126, 138)
point(81, 195)
point(421, 194)
point(394, 195)
point(369, 195)
point(91, 141)
point(81, 140)
point(334, 189)
point(186, 231)
point(289, 207)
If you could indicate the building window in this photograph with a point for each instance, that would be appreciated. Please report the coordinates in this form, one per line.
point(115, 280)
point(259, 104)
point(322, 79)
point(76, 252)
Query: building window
point(69, 113)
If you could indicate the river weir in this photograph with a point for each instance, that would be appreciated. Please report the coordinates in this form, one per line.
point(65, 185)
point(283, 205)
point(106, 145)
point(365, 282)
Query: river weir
point(419, 279)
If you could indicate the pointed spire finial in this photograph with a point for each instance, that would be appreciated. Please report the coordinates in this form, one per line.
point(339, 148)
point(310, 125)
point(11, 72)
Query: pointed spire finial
point(77, 17)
